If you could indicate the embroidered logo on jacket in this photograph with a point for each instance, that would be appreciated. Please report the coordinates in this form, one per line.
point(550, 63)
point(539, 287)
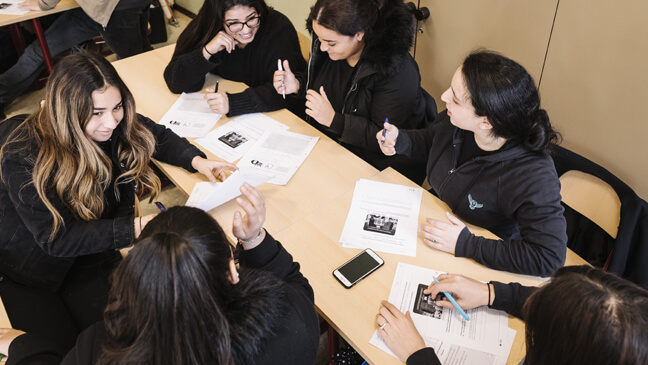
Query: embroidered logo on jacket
point(473, 203)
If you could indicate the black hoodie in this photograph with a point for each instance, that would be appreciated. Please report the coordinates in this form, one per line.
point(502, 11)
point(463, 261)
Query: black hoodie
point(514, 193)
point(386, 84)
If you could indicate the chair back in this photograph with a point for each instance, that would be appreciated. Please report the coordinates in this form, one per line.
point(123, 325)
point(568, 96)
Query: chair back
point(304, 44)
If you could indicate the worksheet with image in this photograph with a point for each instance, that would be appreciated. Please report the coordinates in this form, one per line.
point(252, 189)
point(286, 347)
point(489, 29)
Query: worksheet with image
point(10, 7)
point(207, 195)
point(383, 217)
point(278, 154)
point(486, 334)
point(233, 139)
point(190, 116)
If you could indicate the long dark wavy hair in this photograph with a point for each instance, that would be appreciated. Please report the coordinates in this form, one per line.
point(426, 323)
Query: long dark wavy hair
point(587, 316)
point(167, 295)
point(69, 163)
point(210, 20)
point(504, 92)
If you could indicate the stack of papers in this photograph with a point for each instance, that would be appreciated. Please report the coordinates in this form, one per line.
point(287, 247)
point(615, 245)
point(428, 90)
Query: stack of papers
point(277, 155)
point(485, 339)
point(383, 217)
point(190, 116)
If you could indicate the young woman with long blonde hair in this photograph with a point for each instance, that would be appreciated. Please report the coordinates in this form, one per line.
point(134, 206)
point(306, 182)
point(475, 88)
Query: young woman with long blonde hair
point(69, 174)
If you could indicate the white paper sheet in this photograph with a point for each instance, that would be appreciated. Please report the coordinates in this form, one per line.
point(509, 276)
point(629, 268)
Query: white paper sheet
point(485, 339)
point(278, 154)
point(383, 217)
point(231, 140)
point(190, 116)
point(10, 7)
point(207, 195)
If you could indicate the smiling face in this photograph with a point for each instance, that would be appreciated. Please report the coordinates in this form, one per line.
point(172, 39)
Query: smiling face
point(107, 113)
point(460, 109)
point(242, 14)
point(338, 46)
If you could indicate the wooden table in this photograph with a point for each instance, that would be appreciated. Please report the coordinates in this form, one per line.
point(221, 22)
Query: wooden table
point(308, 214)
point(314, 242)
point(34, 15)
point(328, 172)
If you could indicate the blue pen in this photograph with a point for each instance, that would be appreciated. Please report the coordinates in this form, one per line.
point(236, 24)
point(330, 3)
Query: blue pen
point(453, 301)
point(160, 206)
point(384, 131)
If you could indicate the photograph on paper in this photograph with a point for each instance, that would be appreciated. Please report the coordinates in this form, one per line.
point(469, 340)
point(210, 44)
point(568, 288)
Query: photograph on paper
point(376, 222)
point(425, 305)
point(233, 139)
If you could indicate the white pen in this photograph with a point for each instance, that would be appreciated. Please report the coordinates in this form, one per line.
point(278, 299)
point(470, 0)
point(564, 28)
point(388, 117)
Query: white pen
point(283, 92)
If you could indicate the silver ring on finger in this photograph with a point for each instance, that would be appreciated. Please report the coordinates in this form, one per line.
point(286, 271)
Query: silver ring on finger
point(435, 241)
point(382, 326)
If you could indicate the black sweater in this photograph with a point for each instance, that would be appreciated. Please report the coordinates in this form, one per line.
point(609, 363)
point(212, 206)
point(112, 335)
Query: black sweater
point(253, 65)
point(514, 193)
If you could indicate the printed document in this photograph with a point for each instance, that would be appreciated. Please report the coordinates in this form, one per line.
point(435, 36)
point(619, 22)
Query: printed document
point(208, 195)
point(231, 140)
point(485, 339)
point(190, 116)
point(278, 155)
point(10, 7)
point(383, 217)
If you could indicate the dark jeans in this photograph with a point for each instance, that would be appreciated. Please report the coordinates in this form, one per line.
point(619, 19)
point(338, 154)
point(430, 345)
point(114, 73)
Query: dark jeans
point(125, 34)
point(59, 317)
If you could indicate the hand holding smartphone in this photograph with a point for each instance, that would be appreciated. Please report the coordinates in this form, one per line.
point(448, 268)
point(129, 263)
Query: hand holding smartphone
point(356, 269)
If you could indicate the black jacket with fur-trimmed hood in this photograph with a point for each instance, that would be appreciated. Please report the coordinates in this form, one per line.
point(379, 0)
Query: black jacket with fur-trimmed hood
point(386, 84)
point(271, 315)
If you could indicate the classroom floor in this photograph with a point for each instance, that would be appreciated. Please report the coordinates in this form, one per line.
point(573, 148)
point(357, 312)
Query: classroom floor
point(170, 196)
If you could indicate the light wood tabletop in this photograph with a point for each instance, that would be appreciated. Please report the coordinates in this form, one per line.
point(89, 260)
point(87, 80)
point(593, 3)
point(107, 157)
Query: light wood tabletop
point(314, 242)
point(308, 214)
point(62, 6)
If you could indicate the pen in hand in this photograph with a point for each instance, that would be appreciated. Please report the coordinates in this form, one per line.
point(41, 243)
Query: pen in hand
point(453, 301)
point(161, 206)
point(216, 87)
point(283, 92)
point(384, 131)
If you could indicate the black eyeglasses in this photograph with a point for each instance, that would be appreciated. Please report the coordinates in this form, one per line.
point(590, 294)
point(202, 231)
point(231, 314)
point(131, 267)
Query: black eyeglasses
point(236, 27)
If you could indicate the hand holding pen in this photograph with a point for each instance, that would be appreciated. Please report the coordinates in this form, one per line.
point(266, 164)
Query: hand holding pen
point(468, 293)
point(387, 138)
point(284, 80)
point(218, 102)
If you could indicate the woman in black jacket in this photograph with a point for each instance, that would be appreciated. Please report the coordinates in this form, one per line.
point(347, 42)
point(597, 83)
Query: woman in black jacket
point(582, 316)
point(488, 159)
point(360, 74)
point(239, 40)
point(69, 173)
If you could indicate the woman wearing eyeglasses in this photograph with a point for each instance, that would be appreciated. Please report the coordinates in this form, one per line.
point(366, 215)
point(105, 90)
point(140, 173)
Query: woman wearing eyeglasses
point(239, 40)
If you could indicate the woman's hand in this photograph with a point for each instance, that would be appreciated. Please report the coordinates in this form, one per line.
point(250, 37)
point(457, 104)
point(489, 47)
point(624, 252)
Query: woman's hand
point(469, 293)
point(140, 222)
point(387, 139)
point(285, 80)
point(247, 227)
point(218, 102)
point(212, 169)
point(398, 331)
point(442, 235)
point(222, 41)
point(7, 335)
point(319, 107)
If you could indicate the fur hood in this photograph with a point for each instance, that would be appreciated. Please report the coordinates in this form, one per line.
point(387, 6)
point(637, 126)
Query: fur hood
point(389, 40)
point(255, 310)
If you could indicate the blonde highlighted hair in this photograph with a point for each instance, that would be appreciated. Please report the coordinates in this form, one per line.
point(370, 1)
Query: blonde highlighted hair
point(68, 162)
